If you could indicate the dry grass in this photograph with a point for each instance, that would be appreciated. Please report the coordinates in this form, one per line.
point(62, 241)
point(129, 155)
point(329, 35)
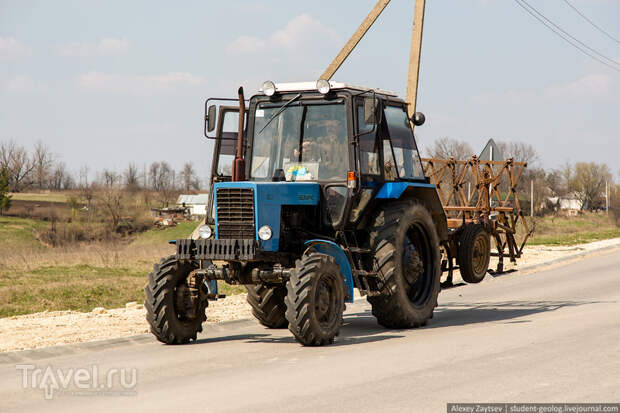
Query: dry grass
point(584, 228)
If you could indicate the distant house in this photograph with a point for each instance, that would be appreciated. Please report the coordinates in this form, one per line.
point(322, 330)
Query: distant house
point(569, 204)
point(196, 204)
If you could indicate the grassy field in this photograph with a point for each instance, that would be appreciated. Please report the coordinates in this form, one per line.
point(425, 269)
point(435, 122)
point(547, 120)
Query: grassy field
point(558, 230)
point(42, 197)
point(19, 233)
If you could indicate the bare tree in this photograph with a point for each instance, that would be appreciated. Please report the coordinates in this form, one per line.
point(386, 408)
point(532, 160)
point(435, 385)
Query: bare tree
point(154, 176)
point(519, 151)
point(43, 160)
point(58, 176)
point(589, 180)
point(132, 178)
point(446, 148)
point(109, 178)
point(111, 197)
point(190, 180)
point(18, 164)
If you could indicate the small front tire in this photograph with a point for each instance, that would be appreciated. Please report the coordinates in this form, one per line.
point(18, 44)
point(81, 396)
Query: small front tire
point(315, 300)
point(164, 293)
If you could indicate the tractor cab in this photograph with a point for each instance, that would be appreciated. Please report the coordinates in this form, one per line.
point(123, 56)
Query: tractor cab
point(319, 154)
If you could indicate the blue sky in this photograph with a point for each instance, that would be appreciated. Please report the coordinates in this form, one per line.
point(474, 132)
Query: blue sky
point(108, 83)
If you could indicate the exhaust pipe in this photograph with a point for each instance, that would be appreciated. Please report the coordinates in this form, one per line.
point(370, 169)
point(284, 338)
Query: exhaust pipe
point(238, 172)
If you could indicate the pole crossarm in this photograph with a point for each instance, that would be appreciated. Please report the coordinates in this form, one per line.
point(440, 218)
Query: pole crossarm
point(355, 39)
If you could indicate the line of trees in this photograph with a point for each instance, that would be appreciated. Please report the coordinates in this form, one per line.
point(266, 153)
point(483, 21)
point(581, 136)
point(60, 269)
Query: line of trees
point(40, 169)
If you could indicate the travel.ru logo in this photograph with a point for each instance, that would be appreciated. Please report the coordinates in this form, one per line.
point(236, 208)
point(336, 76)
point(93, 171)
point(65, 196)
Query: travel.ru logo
point(83, 381)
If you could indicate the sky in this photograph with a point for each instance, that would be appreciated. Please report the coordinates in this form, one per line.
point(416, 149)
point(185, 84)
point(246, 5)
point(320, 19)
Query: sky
point(107, 83)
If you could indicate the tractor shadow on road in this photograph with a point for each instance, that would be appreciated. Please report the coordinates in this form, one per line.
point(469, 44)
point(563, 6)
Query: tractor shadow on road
point(358, 328)
point(457, 314)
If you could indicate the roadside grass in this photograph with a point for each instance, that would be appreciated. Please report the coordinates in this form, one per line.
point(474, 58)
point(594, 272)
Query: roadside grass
point(79, 287)
point(584, 228)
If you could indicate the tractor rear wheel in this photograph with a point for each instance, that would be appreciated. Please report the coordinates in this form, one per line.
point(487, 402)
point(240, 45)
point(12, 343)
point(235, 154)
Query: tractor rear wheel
point(407, 255)
point(174, 318)
point(474, 253)
point(315, 300)
point(268, 304)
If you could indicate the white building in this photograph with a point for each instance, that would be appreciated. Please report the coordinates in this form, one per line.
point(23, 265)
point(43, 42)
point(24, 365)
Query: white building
point(197, 204)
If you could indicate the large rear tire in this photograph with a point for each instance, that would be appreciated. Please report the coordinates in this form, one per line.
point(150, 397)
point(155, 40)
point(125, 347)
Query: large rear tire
point(166, 292)
point(474, 253)
point(407, 254)
point(268, 304)
point(315, 300)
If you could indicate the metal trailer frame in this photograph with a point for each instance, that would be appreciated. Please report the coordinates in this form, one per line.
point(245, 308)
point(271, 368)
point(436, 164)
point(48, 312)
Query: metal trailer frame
point(481, 192)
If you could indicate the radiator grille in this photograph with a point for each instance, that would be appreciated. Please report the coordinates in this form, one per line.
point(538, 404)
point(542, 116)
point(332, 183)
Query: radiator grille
point(235, 213)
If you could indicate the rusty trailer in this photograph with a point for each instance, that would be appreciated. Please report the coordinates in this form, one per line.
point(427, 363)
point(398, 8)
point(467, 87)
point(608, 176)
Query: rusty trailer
point(481, 204)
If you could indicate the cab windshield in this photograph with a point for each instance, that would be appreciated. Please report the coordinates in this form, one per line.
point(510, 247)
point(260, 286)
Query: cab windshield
point(307, 141)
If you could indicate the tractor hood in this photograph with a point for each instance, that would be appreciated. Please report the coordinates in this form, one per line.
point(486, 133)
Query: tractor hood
point(244, 207)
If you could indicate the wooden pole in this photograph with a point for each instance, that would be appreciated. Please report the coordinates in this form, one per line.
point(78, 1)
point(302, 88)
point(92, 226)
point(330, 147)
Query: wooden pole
point(414, 57)
point(532, 198)
point(355, 39)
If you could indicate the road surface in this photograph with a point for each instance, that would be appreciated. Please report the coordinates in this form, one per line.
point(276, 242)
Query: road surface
point(551, 336)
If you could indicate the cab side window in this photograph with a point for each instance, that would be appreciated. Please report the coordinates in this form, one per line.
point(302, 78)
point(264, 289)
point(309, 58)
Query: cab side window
point(368, 144)
point(406, 157)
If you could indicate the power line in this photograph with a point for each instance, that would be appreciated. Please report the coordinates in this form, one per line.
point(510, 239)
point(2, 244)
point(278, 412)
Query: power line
point(599, 28)
point(569, 35)
point(565, 38)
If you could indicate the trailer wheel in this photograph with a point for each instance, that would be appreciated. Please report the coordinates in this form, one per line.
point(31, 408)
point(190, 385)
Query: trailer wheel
point(268, 304)
point(315, 300)
point(474, 253)
point(407, 255)
point(168, 310)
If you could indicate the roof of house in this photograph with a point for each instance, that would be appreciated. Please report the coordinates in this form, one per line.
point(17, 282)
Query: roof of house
point(200, 199)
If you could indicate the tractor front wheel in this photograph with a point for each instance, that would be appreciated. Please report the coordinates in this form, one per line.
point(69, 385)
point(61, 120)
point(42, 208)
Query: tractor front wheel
point(174, 313)
point(315, 300)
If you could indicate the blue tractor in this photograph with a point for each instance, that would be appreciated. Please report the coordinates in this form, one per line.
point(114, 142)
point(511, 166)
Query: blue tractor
point(317, 190)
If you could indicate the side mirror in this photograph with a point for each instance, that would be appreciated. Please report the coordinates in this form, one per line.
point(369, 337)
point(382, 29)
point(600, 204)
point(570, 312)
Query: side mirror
point(370, 110)
point(418, 118)
point(210, 118)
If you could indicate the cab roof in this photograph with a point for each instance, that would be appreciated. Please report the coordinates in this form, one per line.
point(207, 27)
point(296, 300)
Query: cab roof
point(311, 87)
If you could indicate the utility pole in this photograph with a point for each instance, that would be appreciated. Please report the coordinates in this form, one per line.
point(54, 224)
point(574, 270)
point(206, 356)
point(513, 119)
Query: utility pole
point(414, 57)
point(606, 196)
point(355, 39)
point(532, 198)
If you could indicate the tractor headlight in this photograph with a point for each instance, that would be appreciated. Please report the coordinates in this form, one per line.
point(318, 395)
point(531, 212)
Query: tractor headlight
point(205, 232)
point(323, 86)
point(269, 88)
point(265, 233)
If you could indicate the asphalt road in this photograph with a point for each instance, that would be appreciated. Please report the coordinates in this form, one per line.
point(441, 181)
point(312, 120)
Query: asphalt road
point(551, 336)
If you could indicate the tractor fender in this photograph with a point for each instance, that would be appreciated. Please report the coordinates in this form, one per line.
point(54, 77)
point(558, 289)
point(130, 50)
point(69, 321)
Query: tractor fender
point(331, 248)
point(423, 192)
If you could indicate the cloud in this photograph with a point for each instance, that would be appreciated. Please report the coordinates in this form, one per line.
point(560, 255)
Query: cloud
point(301, 34)
point(110, 46)
point(20, 83)
point(590, 87)
point(138, 84)
point(10, 48)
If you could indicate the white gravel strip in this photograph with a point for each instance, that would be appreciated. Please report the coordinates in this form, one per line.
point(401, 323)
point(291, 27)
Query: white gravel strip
point(65, 327)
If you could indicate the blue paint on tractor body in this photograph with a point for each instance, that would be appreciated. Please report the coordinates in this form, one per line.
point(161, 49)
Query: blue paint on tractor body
point(393, 190)
point(331, 248)
point(268, 200)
